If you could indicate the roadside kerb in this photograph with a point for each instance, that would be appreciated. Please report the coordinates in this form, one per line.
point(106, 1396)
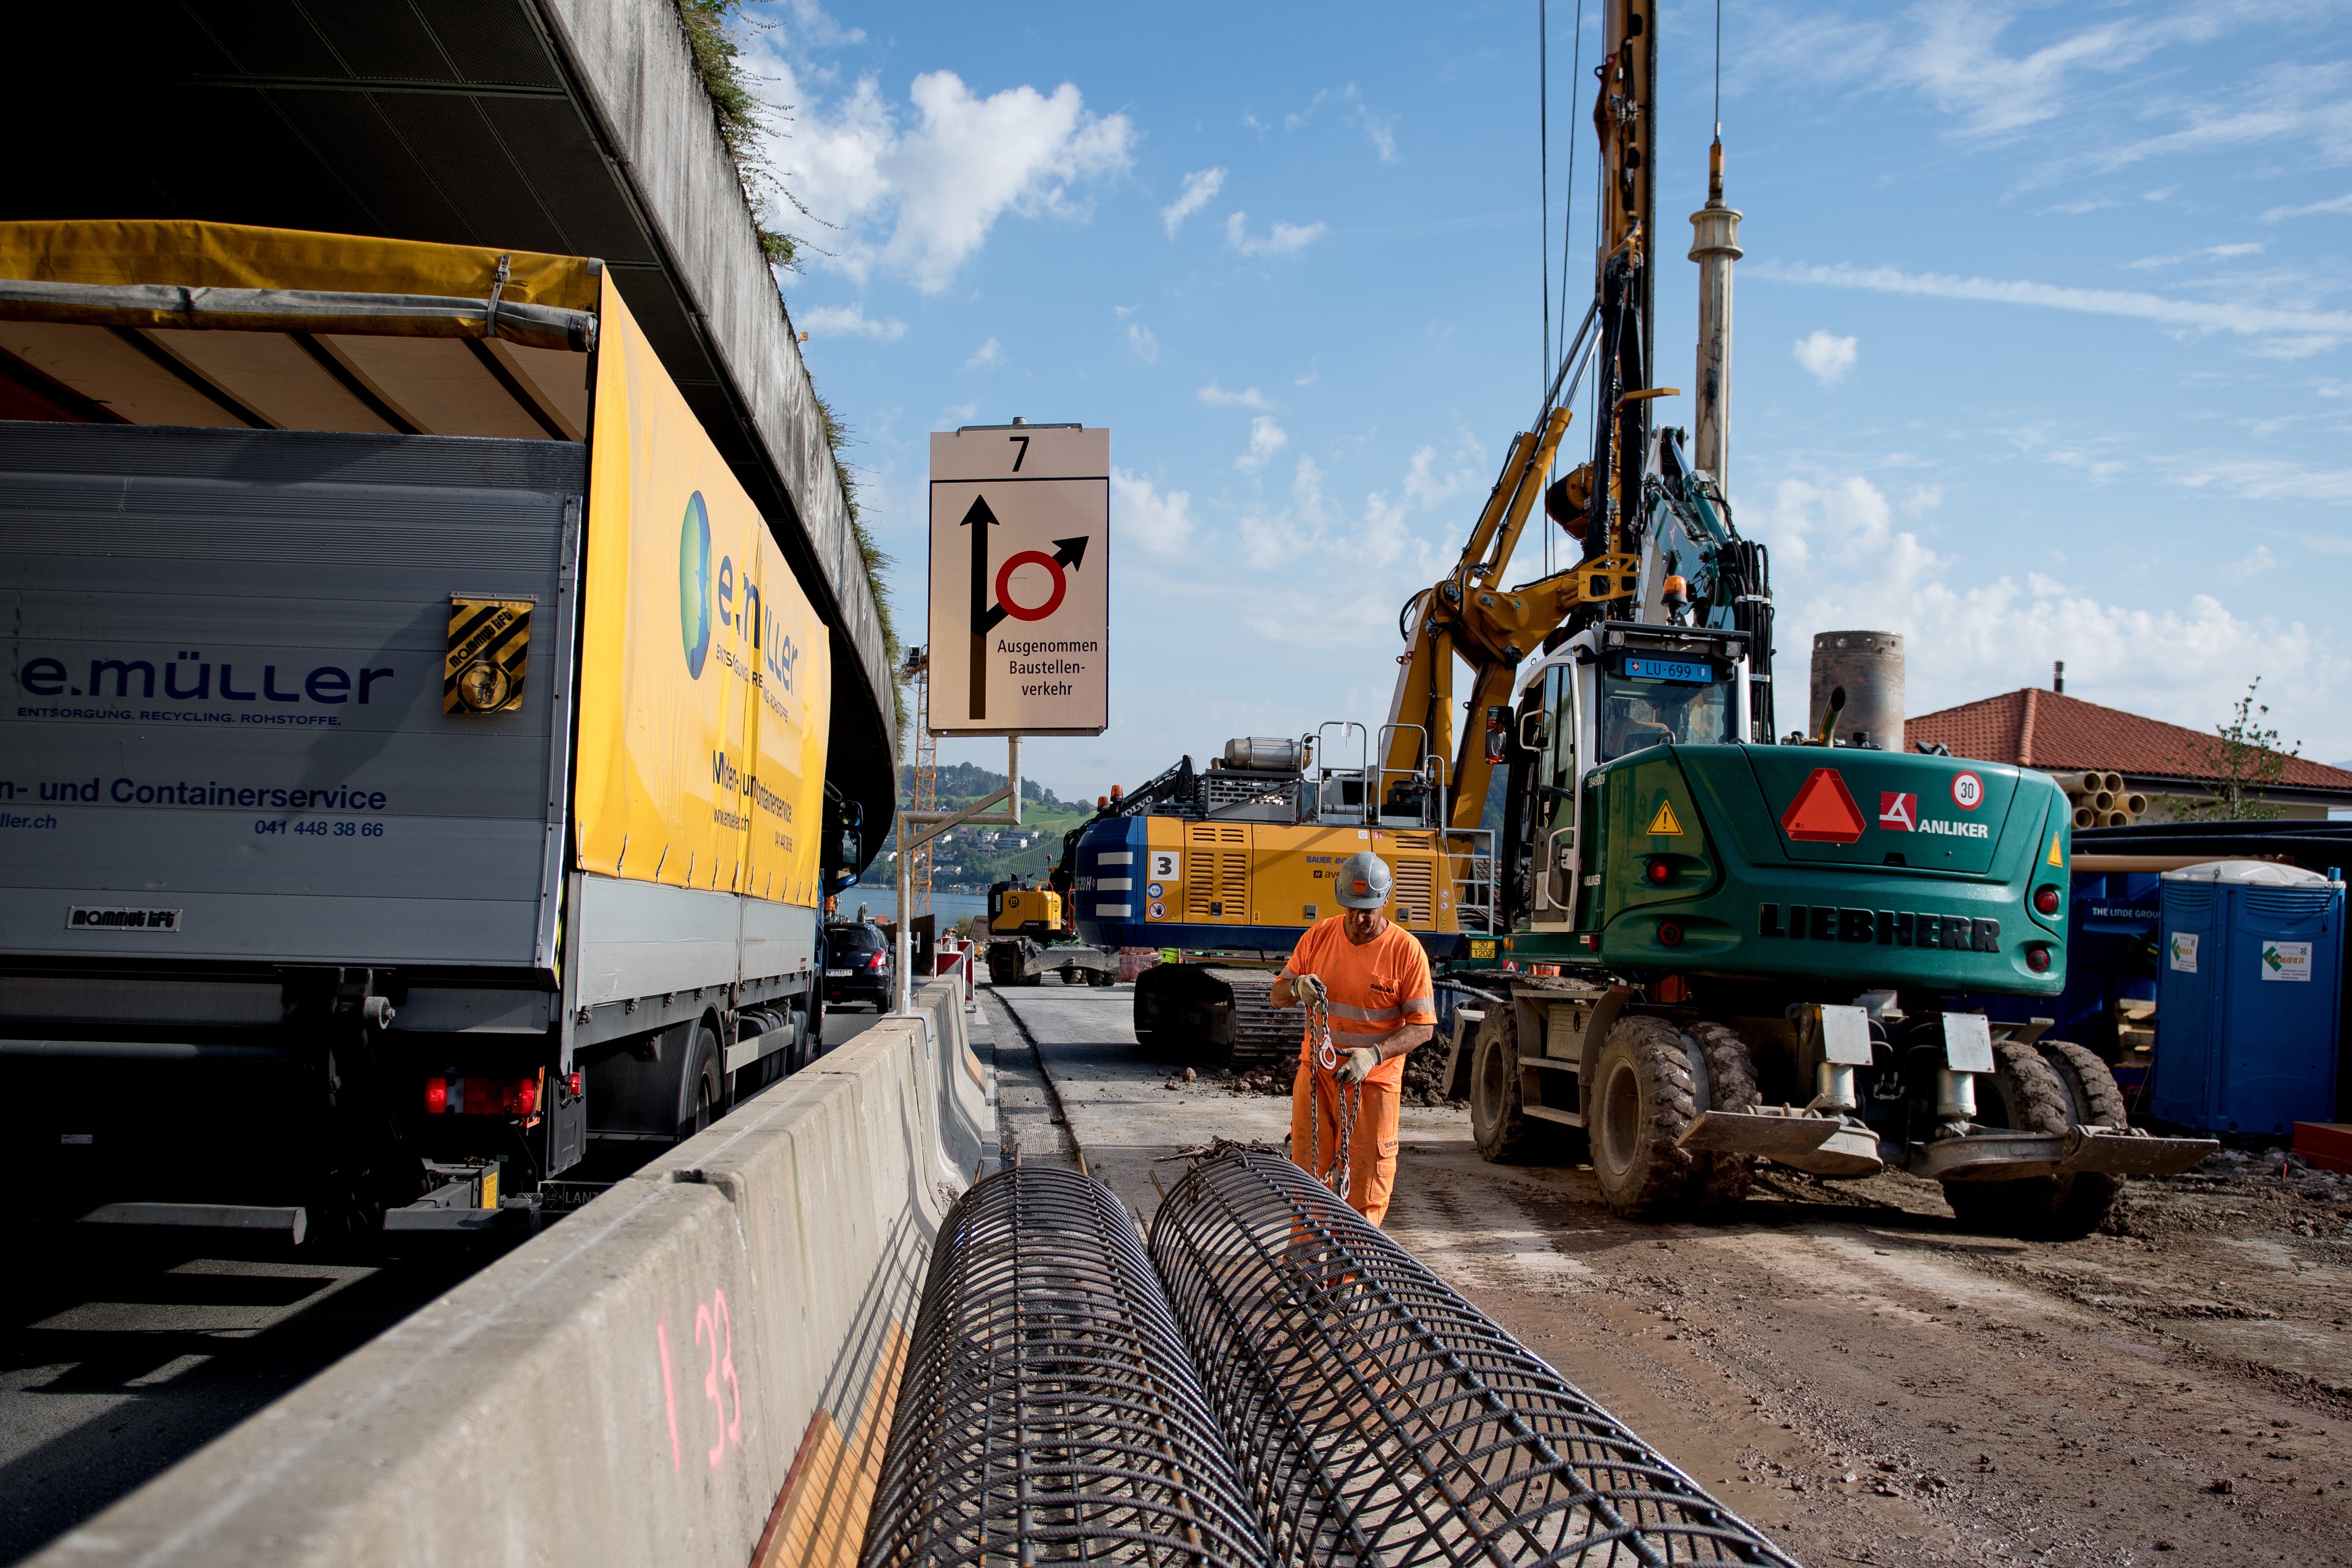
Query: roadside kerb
point(698, 1368)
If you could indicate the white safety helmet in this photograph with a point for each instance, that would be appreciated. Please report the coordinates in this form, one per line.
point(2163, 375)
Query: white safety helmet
point(1364, 881)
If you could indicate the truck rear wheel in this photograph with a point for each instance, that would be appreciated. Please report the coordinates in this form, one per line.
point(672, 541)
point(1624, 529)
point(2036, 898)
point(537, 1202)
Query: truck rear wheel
point(1643, 1097)
point(2030, 1093)
point(1724, 1178)
point(1505, 1133)
point(704, 1098)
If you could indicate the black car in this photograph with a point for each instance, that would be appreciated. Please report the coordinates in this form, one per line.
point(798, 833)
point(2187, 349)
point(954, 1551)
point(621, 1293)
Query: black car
point(857, 966)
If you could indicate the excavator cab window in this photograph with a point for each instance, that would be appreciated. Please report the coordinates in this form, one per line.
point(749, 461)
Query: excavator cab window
point(1647, 700)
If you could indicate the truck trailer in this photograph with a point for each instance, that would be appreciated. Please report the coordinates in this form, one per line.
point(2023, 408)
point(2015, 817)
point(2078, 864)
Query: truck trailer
point(414, 774)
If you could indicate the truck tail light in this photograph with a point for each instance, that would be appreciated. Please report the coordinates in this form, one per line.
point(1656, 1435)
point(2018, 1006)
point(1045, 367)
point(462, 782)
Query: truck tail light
point(578, 1086)
point(437, 1095)
point(522, 1096)
point(1659, 873)
point(2037, 959)
point(1670, 934)
point(2045, 900)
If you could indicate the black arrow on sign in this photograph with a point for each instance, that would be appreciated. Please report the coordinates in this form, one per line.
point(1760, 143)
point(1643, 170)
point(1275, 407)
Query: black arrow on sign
point(980, 519)
point(987, 617)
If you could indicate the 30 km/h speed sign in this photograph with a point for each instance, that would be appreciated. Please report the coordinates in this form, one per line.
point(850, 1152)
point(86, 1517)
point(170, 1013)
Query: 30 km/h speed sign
point(1020, 621)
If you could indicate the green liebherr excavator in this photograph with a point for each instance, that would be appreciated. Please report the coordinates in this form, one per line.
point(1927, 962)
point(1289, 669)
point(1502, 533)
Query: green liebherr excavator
point(1715, 946)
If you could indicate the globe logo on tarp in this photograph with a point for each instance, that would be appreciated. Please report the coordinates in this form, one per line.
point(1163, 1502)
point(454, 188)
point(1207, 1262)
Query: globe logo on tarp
point(694, 584)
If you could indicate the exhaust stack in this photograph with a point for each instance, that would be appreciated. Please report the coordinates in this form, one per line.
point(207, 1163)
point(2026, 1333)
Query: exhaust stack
point(1714, 246)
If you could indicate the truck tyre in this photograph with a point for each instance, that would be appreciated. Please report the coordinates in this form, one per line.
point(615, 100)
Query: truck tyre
point(2030, 1096)
point(1643, 1097)
point(2094, 1099)
point(1731, 1086)
point(702, 1097)
point(1505, 1133)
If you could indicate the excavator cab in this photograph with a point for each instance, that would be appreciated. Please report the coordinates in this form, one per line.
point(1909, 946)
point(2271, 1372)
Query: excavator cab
point(1614, 690)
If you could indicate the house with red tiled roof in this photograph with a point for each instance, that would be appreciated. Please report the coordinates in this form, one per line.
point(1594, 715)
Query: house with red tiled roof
point(2058, 733)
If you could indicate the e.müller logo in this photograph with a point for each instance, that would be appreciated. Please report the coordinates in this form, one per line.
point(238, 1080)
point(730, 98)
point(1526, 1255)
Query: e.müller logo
point(708, 595)
point(188, 677)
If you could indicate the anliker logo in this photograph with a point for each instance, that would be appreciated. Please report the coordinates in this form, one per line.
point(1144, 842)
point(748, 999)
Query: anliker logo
point(694, 584)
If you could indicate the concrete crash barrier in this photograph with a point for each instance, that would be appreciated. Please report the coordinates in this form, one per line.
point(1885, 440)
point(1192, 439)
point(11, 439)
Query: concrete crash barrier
point(1049, 1412)
point(697, 1368)
point(1377, 1416)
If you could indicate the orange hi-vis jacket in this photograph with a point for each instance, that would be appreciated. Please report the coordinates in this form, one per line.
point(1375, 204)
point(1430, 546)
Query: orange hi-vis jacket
point(1374, 987)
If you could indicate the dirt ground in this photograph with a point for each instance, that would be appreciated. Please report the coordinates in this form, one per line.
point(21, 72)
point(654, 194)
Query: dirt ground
point(1847, 1367)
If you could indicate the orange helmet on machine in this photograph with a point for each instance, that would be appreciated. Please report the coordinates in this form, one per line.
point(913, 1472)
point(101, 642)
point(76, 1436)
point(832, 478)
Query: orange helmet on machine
point(1364, 881)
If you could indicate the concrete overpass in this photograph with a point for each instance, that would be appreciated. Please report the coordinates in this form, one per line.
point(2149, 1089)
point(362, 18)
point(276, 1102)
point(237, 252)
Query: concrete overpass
point(577, 127)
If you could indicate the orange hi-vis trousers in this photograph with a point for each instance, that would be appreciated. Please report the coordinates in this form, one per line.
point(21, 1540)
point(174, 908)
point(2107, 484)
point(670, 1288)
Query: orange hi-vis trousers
point(1372, 1155)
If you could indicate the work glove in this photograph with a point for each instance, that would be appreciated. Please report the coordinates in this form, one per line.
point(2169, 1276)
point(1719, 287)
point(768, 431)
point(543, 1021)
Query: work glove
point(1309, 988)
point(1358, 1064)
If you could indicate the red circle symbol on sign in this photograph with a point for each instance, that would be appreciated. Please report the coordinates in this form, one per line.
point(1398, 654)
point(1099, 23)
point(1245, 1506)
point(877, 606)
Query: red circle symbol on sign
point(1005, 585)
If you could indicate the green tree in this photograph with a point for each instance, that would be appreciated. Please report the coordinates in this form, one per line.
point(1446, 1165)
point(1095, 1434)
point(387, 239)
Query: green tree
point(2241, 761)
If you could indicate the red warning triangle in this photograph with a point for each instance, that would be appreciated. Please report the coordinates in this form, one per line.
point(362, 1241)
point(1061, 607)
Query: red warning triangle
point(1823, 810)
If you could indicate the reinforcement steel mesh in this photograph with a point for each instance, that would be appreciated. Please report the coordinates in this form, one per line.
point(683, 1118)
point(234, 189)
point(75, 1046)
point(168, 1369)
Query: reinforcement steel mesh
point(1049, 1412)
point(1375, 1417)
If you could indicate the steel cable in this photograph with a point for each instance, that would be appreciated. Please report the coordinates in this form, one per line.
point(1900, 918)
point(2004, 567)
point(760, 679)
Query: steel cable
point(1376, 1417)
point(1049, 1412)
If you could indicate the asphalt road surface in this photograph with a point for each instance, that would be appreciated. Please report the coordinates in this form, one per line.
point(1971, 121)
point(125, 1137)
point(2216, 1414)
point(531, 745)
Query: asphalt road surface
point(121, 1356)
point(1841, 1363)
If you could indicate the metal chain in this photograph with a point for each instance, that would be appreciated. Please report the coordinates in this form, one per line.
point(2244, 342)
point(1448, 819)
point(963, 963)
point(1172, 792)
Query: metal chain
point(1325, 1059)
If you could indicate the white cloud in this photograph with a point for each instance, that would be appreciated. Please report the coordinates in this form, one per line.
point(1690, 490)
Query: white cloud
point(1158, 524)
point(1146, 346)
point(2302, 331)
point(2334, 204)
point(1216, 396)
point(1826, 357)
point(1379, 130)
point(1267, 438)
point(1841, 564)
point(850, 321)
point(1200, 187)
point(2254, 565)
point(915, 190)
point(960, 413)
point(987, 357)
point(1281, 240)
point(2209, 252)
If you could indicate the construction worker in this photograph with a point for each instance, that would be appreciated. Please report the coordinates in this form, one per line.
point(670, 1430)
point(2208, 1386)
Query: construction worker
point(1372, 979)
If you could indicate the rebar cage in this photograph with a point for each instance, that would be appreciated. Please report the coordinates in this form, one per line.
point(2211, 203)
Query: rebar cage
point(1376, 1417)
point(1049, 1412)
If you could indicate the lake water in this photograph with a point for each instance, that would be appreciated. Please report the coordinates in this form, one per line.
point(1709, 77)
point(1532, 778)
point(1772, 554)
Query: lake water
point(882, 903)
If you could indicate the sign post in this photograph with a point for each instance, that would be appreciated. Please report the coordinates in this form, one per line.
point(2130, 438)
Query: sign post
point(1020, 609)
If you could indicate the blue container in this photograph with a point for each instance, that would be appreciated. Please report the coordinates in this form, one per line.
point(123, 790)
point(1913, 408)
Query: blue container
point(2249, 987)
point(2111, 944)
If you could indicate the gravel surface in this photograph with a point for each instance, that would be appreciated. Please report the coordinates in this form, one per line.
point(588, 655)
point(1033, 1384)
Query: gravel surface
point(1844, 1365)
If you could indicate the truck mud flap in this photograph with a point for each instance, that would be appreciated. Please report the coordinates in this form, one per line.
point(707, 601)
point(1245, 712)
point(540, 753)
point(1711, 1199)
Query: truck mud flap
point(1988, 1155)
point(2113, 1153)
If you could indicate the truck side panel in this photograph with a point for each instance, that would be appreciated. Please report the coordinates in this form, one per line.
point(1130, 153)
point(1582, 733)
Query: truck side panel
point(225, 718)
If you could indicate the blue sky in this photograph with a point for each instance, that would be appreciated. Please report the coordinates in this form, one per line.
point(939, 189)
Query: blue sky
point(2043, 349)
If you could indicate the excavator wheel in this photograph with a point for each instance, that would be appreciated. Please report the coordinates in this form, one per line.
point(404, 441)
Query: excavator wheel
point(1643, 1097)
point(1505, 1133)
point(2042, 1089)
point(1731, 1086)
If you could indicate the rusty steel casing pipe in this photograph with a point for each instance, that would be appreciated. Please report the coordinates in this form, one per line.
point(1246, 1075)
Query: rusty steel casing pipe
point(1049, 1412)
point(1376, 1417)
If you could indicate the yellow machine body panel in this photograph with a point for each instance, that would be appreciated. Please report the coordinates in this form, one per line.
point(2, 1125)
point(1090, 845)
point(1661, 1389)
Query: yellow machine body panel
point(1237, 881)
point(1028, 909)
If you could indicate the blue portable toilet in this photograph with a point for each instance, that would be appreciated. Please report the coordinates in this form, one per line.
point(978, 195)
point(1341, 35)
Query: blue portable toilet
point(2249, 983)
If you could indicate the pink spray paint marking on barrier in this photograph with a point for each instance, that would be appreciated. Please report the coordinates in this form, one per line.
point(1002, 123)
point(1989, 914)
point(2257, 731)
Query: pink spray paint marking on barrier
point(669, 1397)
point(714, 1332)
point(718, 1322)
